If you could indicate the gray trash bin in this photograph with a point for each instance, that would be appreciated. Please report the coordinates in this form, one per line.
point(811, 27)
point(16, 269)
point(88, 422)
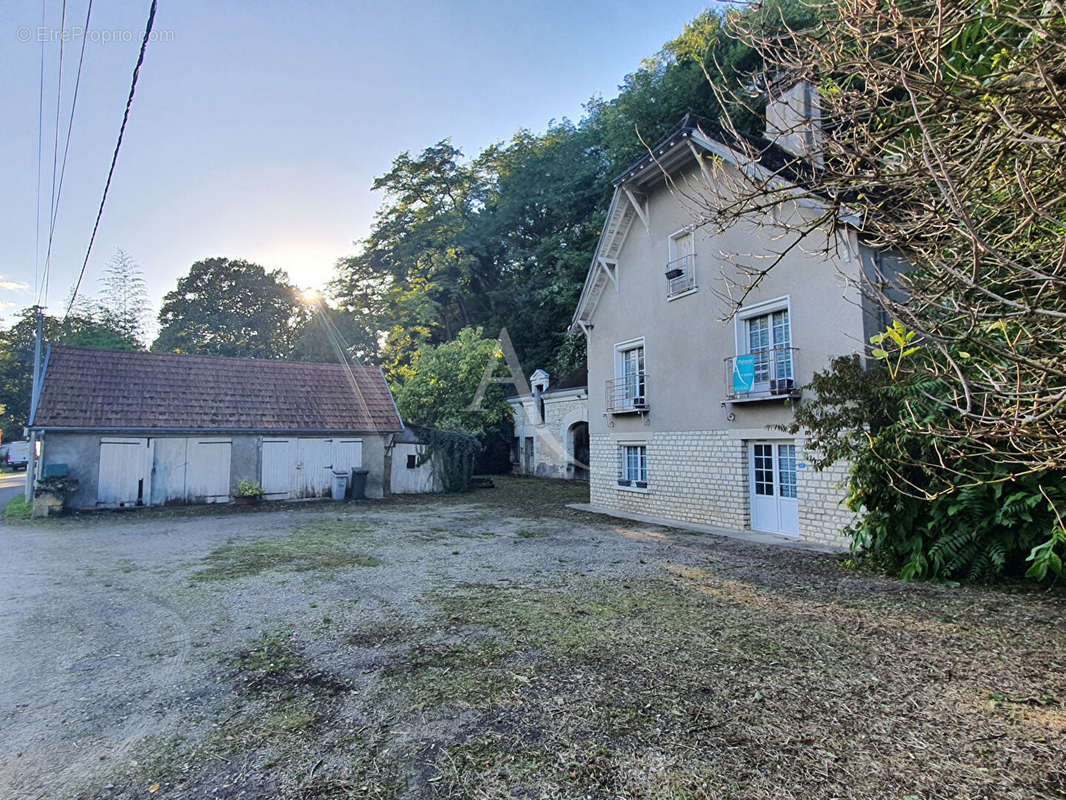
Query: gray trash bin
point(340, 485)
point(359, 483)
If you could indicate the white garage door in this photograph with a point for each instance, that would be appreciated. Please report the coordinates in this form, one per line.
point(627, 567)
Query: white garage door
point(190, 470)
point(314, 467)
point(297, 468)
point(168, 470)
point(279, 468)
point(347, 454)
point(207, 470)
point(124, 477)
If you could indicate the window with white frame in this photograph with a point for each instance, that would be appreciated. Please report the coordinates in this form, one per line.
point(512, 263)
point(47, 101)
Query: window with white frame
point(681, 268)
point(633, 465)
point(627, 392)
point(764, 340)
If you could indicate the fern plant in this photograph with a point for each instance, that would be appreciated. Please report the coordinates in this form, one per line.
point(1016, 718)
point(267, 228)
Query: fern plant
point(914, 518)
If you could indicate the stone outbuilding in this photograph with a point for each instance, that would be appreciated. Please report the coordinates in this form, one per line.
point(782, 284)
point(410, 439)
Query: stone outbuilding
point(148, 429)
point(551, 427)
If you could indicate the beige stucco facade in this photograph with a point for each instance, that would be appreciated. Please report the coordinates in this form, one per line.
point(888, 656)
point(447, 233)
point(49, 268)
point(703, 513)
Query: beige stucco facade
point(697, 439)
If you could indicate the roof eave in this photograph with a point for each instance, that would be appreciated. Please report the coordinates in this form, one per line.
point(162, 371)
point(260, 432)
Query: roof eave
point(146, 431)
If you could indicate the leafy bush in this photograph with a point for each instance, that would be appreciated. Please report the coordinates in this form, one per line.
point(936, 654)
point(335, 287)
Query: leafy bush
point(453, 454)
point(249, 489)
point(918, 515)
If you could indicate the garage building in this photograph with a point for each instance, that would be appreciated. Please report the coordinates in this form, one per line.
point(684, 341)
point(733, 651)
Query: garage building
point(156, 429)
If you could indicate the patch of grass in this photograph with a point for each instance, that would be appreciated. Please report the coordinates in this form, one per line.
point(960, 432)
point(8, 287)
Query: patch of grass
point(532, 534)
point(465, 674)
point(320, 545)
point(698, 685)
point(18, 508)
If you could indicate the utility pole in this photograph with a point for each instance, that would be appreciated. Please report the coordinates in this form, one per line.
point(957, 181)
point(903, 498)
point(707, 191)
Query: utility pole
point(31, 461)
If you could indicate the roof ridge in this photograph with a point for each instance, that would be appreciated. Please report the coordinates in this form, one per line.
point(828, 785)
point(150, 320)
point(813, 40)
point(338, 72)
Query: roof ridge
point(201, 356)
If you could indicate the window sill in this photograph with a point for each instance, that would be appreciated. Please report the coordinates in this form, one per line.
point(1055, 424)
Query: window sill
point(763, 397)
point(672, 297)
point(634, 489)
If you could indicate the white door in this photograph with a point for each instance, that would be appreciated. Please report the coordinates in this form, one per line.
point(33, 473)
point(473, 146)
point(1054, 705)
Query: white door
point(207, 470)
point(124, 478)
point(168, 470)
point(774, 507)
point(347, 455)
point(314, 467)
point(279, 468)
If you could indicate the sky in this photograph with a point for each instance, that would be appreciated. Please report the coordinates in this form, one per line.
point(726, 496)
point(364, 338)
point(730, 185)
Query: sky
point(259, 126)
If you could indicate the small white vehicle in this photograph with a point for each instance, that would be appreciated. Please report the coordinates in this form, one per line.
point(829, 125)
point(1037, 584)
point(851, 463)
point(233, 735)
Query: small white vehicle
point(16, 455)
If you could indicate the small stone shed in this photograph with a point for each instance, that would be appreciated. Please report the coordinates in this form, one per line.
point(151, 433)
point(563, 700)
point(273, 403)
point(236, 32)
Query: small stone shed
point(139, 429)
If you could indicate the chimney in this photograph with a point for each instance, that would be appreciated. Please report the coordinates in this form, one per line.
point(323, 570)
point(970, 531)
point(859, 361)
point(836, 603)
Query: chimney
point(794, 119)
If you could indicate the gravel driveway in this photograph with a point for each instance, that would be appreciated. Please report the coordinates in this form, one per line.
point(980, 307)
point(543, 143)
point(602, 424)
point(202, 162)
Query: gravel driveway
point(500, 645)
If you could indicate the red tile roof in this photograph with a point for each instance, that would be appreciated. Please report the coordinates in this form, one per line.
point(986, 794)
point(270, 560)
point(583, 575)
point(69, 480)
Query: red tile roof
point(111, 389)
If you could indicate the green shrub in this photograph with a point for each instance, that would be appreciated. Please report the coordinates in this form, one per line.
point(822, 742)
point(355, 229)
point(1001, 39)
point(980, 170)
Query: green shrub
point(18, 508)
point(919, 514)
point(249, 489)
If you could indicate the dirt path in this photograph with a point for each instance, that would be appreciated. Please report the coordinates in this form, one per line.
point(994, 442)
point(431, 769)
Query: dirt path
point(498, 645)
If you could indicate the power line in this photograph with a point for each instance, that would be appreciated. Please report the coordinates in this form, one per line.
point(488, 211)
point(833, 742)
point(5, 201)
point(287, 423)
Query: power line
point(114, 156)
point(66, 146)
point(40, 140)
point(55, 148)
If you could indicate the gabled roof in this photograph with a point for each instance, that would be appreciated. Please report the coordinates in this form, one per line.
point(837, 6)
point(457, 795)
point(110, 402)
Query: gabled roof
point(691, 137)
point(115, 390)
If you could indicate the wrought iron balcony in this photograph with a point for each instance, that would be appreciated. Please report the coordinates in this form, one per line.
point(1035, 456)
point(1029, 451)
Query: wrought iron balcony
point(762, 375)
point(627, 395)
point(681, 275)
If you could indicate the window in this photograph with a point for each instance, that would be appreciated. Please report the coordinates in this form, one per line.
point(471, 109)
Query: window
point(764, 350)
point(786, 469)
point(681, 267)
point(412, 461)
point(633, 372)
point(633, 466)
point(764, 469)
point(770, 341)
point(627, 391)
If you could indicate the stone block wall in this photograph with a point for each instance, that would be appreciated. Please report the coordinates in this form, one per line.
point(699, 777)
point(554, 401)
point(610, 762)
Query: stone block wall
point(551, 455)
point(701, 477)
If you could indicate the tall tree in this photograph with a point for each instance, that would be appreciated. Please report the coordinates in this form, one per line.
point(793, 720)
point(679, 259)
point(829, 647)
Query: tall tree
point(329, 334)
point(231, 307)
point(505, 238)
point(79, 329)
point(122, 303)
point(444, 383)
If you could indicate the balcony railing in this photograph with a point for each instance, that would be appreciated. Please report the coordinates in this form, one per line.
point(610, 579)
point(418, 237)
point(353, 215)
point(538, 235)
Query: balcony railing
point(762, 375)
point(627, 395)
point(681, 275)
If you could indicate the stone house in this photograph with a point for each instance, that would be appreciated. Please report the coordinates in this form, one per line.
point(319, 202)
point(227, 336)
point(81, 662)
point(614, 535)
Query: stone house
point(551, 427)
point(141, 429)
point(684, 404)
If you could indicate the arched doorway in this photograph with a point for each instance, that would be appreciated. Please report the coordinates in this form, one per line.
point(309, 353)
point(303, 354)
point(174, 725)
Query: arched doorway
point(578, 436)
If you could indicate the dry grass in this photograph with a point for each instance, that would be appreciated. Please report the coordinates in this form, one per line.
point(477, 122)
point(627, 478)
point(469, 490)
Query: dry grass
point(731, 672)
point(697, 687)
point(319, 545)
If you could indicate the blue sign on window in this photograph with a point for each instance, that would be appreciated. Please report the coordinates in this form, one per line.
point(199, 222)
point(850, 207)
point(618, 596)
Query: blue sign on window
point(743, 374)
